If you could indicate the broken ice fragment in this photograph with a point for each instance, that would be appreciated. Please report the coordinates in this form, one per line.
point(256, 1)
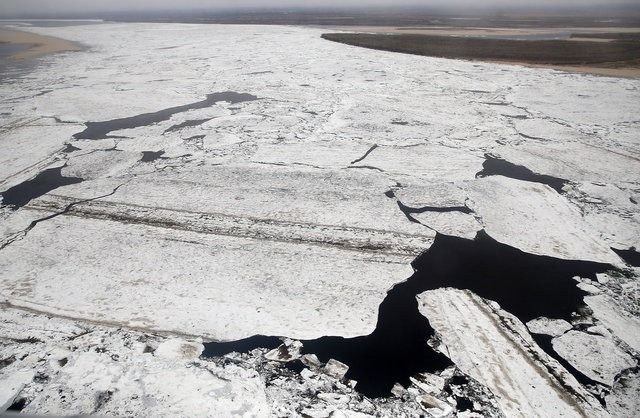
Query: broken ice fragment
point(285, 352)
point(597, 357)
point(398, 390)
point(589, 288)
point(336, 369)
point(311, 361)
point(599, 330)
point(430, 383)
point(434, 406)
point(546, 326)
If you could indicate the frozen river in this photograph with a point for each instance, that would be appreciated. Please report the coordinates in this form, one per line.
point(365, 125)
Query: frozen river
point(214, 183)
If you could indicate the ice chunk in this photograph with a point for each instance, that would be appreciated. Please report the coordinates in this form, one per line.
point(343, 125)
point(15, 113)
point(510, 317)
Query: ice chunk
point(546, 326)
point(179, 349)
point(335, 369)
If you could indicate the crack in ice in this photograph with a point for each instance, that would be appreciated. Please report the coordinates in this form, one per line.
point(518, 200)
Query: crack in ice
point(24, 232)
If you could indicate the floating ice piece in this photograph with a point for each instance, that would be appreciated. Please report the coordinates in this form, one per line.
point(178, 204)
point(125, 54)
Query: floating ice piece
point(428, 382)
point(286, 352)
point(546, 326)
point(535, 219)
point(307, 374)
point(335, 369)
point(311, 361)
point(589, 288)
point(499, 357)
point(440, 206)
point(599, 358)
point(614, 316)
point(339, 413)
point(31, 146)
point(617, 218)
point(599, 330)
point(398, 390)
point(434, 406)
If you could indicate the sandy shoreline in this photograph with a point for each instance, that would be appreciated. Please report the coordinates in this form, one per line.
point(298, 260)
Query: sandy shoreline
point(39, 44)
point(623, 72)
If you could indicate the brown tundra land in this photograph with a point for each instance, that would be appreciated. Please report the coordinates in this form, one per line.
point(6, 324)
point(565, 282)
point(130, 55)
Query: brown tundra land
point(608, 54)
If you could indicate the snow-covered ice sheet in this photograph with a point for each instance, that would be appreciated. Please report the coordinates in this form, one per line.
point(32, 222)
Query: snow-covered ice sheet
point(217, 286)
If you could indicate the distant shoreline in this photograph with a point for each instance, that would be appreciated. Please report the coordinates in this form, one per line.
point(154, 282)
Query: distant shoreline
point(39, 45)
point(597, 55)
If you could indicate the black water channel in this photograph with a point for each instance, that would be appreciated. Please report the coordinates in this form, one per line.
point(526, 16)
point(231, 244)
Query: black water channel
point(46, 181)
point(408, 211)
point(630, 256)
point(366, 154)
point(493, 166)
point(527, 285)
point(70, 148)
point(150, 156)
point(186, 124)
point(100, 130)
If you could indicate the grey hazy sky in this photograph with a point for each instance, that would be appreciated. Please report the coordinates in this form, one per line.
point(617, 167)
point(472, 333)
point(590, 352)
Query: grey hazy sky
point(47, 6)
